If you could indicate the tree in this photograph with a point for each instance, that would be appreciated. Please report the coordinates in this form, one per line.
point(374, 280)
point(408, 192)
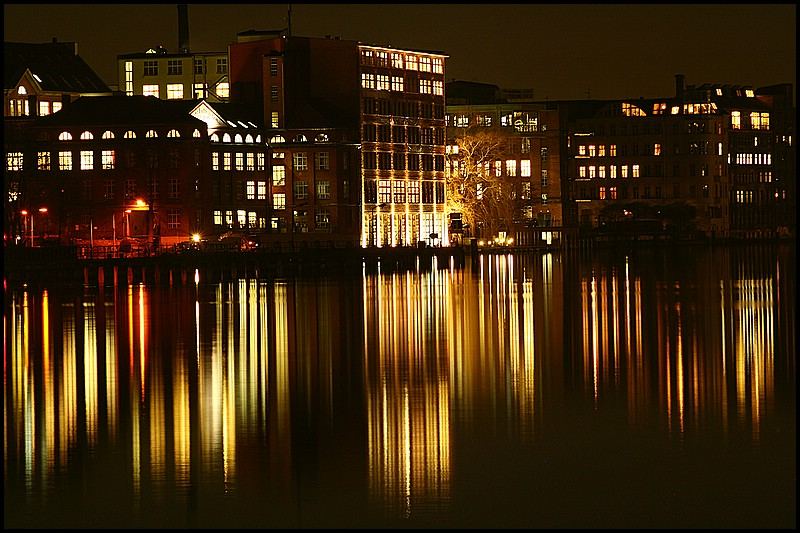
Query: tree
point(474, 189)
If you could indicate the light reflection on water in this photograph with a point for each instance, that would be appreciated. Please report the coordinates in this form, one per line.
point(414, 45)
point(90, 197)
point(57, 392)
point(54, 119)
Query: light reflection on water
point(399, 397)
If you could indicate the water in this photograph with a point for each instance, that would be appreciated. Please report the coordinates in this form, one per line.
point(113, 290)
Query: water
point(647, 389)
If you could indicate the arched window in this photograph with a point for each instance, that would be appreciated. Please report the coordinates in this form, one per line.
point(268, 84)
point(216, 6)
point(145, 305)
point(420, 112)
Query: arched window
point(196, 134)
point(300, 138)
point(22, 90)
point(321, 138)
point(108, 135)
point(65, 136)
point(248, 139)
point(258, 138)
point(129, 135)
point(226, 138)
point(214, 138)
point(277, 139)
point(151, 134)
point(86, 136)
point(238, 138)
point(173, 134)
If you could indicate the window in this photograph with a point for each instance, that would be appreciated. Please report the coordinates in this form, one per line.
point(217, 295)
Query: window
point(624, 171)
point(108, 135)
point(199, 66)
point(300, 190)
point(129, 135)
point(226, 161)
point(129, 78)
point(108, 189)
point(592, 150)
point(278, 176)
point(759, 121)
point(413, 192)
point(382, 82)
point(612, 150)
point(300, 161)
point(411, 62)
point(425, 86)
point(199, 90)
point(262, 190)
point(150, 90)
point(273, 66)
point(260, 161)
point(250, 190)
point(151, 134)
point(438, 65)
point(223, 89)
point(174, 218)
point(43, 161)
point(173, 192)
point(367, 80)
point(635, 171)
point(214, 160)
point(174, 91)
point(107, 159)
point(544, 178)
point(612, 171)
point(323, 161)
point(397, 60)
point(56, 106)
point(592, 172)
point(397, 83)
point(323, 219)
point(173, 134)
point(273, 93)
point(525, 168)
point(323, 190)
point(384, 191)
point(582, 171)
point(601, 150)
point(222, 65)
point(87, 160)
point(657, 149)
point(275, 121)
point(511, 167)
point(14, 161)
point(44, 108)
point(424, 64)
point(736, 120)
point(279, 200)
point(251, 161)
point(399, 192)
point(438, 88)
point(239, 161)
point(151, 68)
point(65, 136)
point(174, 67)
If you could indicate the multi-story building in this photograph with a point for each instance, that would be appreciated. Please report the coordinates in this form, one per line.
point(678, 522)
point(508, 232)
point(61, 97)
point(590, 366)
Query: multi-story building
point(528, 162)
point(40, 79)
point(110, 167)
point(386, 102)
point(180, 75)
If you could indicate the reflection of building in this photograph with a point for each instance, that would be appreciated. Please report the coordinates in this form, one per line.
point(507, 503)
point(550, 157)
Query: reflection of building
point(388, 102)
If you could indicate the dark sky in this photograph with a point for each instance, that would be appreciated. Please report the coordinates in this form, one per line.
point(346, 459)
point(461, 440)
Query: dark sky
point(561, 51)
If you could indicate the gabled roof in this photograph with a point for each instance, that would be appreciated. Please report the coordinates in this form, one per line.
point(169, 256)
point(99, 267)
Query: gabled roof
point(57, 65)
point(122, 110)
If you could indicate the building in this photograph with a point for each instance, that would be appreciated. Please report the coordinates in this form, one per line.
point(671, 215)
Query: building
point(179, 75)
point(385, 102)
point(40, 79)
point(107, 168)
point(527, 163)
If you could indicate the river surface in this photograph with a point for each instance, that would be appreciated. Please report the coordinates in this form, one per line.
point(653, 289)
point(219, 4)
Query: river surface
point(653, 388)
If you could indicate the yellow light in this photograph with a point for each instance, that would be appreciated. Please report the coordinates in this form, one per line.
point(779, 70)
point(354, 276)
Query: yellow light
point(195, 237)
point(510, 240)
point(24, 212)
point(140, 202)
point(43, 210)
point(481, 243)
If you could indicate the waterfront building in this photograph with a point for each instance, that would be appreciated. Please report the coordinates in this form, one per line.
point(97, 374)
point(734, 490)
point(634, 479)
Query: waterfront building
point(108, 168)
point(387, 103)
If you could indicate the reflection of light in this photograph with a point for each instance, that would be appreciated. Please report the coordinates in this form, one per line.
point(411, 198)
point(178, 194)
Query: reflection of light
point(112, 371)
point(90, 370)
point(48, 391)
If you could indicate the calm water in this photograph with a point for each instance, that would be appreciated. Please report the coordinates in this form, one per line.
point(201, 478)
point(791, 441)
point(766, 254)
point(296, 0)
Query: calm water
point(653, 389)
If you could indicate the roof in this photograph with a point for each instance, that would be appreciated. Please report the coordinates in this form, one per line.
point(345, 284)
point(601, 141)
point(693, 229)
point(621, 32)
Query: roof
point(126, 110)
point(56, 64)
point(159, 55)
point(238, 112)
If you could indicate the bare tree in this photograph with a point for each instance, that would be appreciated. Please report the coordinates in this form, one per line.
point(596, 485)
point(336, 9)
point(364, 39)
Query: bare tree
point(476, 188)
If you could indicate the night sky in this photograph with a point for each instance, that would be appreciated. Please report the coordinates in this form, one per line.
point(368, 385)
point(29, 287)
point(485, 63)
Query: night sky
point(560, 51)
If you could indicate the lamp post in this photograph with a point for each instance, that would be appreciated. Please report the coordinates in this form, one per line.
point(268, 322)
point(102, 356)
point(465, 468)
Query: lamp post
point(43, 211)
point(24, 213)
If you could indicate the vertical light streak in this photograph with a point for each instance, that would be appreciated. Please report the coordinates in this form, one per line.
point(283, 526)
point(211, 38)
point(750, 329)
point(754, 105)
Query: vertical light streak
point(48, 395)
point(595, 342)
point(90, 371)
point(112, 372)
point(679, 371)
point(69, 402)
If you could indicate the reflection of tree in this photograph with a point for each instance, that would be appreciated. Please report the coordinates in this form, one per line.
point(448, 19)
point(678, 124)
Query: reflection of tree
point(474, 188)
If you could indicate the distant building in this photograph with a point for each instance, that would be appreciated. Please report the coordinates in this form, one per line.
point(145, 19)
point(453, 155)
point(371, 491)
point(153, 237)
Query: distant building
point(40, 79)
point(179, 75)
point(385, 102)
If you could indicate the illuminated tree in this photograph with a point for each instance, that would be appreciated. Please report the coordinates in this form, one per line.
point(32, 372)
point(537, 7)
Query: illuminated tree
point(476, 187)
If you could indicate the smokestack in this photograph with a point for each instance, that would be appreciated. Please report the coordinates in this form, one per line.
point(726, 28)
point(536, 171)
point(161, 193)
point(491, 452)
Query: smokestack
point(183, 28)
point(680, 85)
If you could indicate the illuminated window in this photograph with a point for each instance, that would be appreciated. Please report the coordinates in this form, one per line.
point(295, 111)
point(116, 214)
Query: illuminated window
point(601, 150)
point(397, 83)
point(214, 160)
point(226, 137)
point(612, 150)
point(86, 136)
point(582, 171)
point(323, 190)
point(613, 192)
point(129, 78)
point(107, 158)
point(56, 106)
point(382, 82)
point(129, 135)
point(251, 161)
point(14, 161)
point(251, 190)
point(367, 80)
point(174, 67)
point(759, 121)
point(260, 161)
point(592, 172)
point(87, 160)
point(438, 65)
point(239, 161)
point(262, 190)
point(411, 62)
point(630, 110)
point(749, 93)
point(657, 149)
point(525, 168)
point(151, 134)
point(397, 60)
point(582, 150)
point(108, 135)
point(223, 90)
point(150, 90)
point(438, 88)
point(322, 161)
point(278, 175)
point(174, 91)
point(279, 200)
point(322, 219)
point(601, 172)
point(424, 64)
point(602, 193)
point(173, 134)
point(623, 171)
point(300, 161)
point(736, 120)
point(42, 161)
point(384, 191)
point(511, 167)
point(612, 171)
point(226, 161)
point(425, 86)
point(592, 150)
point(200, 90)
point(44, 108)
point(64, 136)
point(248, 139)
point(275, 123)
point(300, 190)
point(635, 171)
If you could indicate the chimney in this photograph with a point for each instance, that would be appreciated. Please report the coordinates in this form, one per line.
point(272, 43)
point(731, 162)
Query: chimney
point(183, 28)
point(680, 85)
